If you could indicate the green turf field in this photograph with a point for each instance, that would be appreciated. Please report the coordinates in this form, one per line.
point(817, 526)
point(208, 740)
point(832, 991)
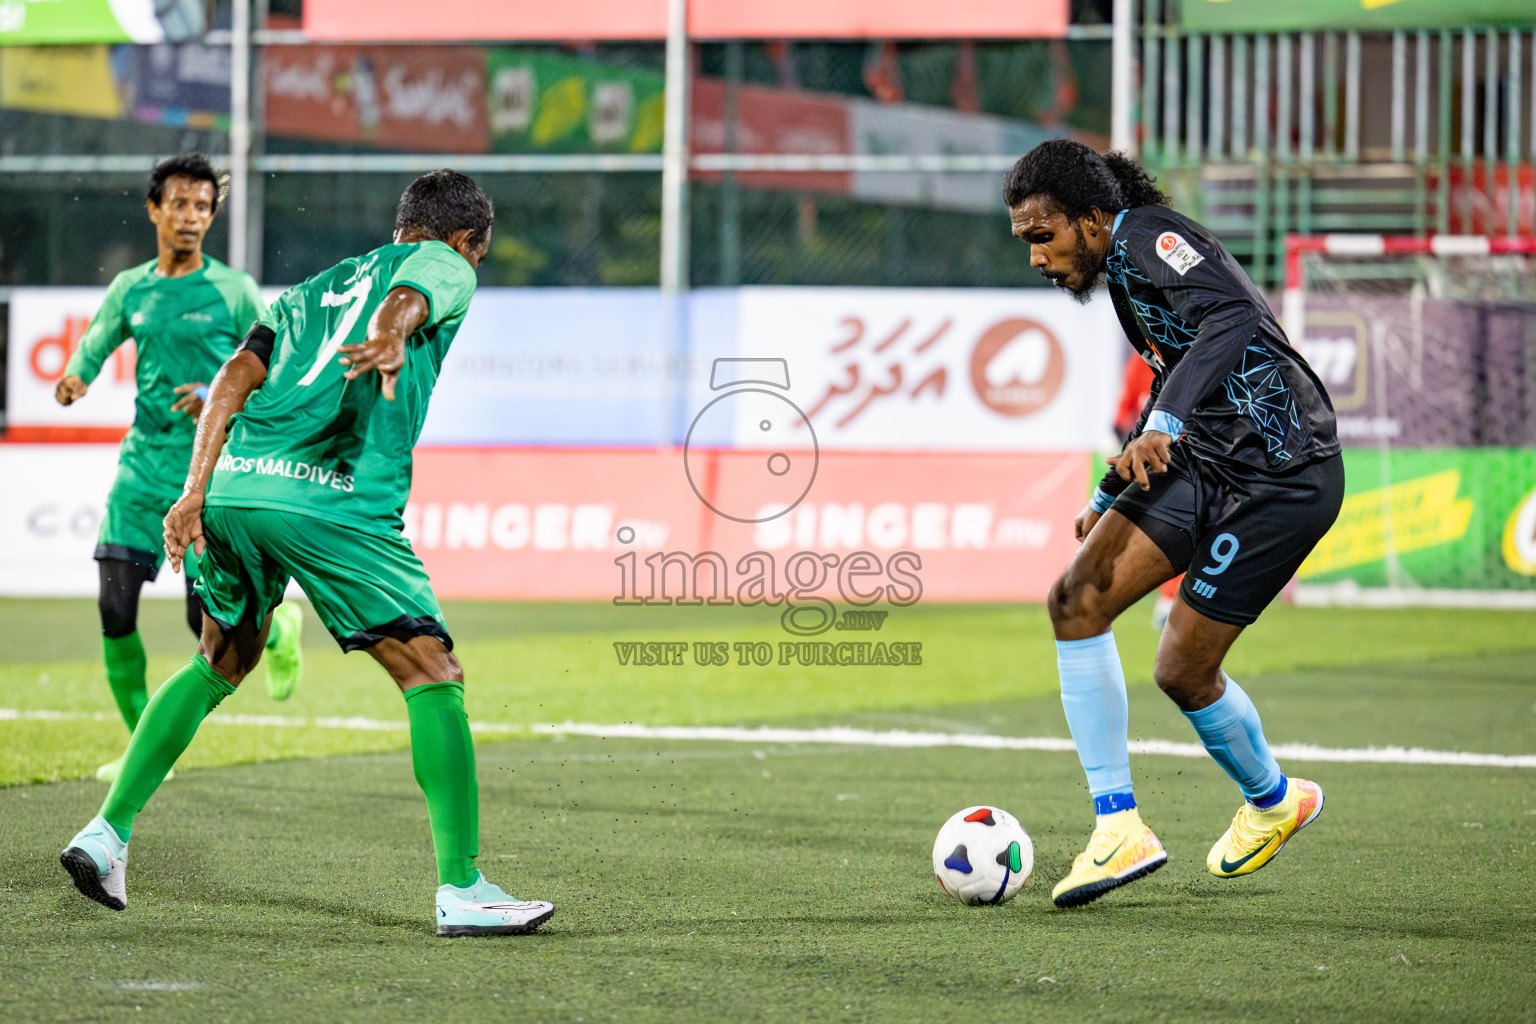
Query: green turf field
point(554, 663)
point(706, 881)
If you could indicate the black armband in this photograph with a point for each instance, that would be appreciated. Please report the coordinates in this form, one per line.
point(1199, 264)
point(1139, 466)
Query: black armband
point(258, 342)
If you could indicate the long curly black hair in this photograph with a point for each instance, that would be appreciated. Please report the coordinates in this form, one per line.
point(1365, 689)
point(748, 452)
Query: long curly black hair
point(1076, 180)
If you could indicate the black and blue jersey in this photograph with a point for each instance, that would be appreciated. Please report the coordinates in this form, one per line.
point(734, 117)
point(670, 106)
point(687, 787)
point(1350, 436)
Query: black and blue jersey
point(1226, 380)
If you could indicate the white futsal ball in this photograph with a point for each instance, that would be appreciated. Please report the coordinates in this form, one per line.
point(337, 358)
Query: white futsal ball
point(983, 856)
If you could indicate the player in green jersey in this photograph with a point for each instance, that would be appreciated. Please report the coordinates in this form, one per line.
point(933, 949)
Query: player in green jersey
point(186, 312)
point(301, 470)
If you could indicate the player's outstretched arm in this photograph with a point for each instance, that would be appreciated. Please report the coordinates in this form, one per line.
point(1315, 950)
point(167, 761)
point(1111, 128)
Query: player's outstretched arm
point(227, 395)
point(108, 330)
point(70, 389)
point(401, 314)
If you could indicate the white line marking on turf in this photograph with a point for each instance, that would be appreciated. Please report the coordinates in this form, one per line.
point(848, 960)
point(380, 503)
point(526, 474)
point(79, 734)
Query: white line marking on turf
point(901, 738)
point(835, 736)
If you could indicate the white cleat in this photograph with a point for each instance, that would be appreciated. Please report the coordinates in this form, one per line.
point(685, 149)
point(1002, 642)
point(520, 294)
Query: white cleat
point(97, 861)
point(481, 908)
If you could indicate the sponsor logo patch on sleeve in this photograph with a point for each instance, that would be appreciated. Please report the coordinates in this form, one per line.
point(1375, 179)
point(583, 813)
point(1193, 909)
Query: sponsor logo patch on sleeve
point(1177, 253)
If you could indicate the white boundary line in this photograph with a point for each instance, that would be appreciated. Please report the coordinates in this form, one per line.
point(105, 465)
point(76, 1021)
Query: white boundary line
point(1349, 594)
point(836, 736)
point(903, 738)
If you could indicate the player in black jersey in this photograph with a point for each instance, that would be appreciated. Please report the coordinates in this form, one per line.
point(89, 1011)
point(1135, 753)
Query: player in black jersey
point(1231, 476)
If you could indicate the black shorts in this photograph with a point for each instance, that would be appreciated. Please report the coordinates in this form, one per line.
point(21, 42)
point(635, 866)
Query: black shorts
point(1238, 535)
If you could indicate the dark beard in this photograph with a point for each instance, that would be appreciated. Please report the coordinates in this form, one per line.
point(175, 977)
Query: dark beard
point(1087, 267)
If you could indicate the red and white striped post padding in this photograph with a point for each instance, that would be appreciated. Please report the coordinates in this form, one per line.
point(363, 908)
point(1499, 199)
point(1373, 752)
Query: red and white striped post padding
point(1292, 308)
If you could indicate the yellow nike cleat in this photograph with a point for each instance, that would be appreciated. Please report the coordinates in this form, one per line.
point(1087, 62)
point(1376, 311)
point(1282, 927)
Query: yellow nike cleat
point(1255, 836)
point(1122, 850)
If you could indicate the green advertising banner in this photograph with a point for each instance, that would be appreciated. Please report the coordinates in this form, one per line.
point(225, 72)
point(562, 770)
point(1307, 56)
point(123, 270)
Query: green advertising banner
point(1318, 15)
point(1437, 518)
point(548, 104)
point(24, 22)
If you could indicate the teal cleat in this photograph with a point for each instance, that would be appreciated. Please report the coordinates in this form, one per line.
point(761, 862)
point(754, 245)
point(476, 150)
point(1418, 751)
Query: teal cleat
point(481, 908)
point(284, 657)
point(97, 861)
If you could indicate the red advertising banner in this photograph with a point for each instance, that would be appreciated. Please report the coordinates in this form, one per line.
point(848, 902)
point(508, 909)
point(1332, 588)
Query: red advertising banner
point(877, 19)
point(629, 525)
point(543, 524)
point(588, 524)
point(1479, 201)
point(775, 121)
point(429, 98)
point(363, 20)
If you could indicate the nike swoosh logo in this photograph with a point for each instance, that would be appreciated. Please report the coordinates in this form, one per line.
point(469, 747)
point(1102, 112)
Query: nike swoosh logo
point(1111, 853)
point(1229, 866)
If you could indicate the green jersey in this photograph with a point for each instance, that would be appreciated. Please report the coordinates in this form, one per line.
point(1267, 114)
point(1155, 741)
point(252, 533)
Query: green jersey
point(184, 328)
point(309, 440)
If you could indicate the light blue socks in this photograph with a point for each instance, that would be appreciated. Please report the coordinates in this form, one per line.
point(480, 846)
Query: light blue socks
point(1231, 732)
point(1093, 696)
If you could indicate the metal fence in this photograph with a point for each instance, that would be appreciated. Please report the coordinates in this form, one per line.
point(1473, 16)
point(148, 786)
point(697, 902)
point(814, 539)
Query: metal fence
point(68, 192)
point(1259, 135)
point(1402, 132)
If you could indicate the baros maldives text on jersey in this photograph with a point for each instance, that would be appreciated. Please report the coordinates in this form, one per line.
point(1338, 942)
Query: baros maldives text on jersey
point(313, 442)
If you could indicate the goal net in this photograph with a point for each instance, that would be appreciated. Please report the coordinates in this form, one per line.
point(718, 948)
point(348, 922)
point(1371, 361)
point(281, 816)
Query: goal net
point(1428, 349)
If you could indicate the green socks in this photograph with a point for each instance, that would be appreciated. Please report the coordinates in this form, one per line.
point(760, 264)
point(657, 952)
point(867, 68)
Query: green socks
point(443, 756)
point(125, 674)
point(169, 723)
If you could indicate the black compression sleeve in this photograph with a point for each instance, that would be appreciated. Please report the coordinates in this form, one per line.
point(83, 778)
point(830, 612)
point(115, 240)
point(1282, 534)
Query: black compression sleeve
point(259, 341)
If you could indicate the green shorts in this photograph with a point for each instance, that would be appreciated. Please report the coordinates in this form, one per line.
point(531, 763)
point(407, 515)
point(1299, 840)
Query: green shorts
point(365, 586)
point(149, 479)
point(134, 531)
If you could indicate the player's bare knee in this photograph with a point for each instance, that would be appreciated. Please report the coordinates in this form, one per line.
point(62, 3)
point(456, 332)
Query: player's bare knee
point(418, 661)
point(1169, 679)
point(233, 654)
point(1077, 608)
point(432, 659)
point(1058, 602)
point(1189, 683)
point(449, 670)
point(1070, 600)
point(224, 658)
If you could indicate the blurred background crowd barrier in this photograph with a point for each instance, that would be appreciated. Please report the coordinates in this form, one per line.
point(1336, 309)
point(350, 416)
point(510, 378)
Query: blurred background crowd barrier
point(818, 183)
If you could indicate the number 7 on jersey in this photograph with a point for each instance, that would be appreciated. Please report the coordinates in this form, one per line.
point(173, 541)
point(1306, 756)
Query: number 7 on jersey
point(353, 298)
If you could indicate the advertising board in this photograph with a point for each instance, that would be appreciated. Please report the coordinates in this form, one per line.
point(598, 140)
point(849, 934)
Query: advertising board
point(592, 524)
point(1446, 519)
point(895, 369)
